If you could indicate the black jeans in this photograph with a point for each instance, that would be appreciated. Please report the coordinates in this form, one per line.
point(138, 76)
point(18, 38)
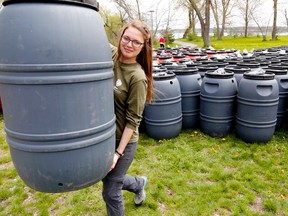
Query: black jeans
point(117, 180)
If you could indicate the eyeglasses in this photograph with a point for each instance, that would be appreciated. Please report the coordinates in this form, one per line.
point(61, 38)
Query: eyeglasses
point(135, 43)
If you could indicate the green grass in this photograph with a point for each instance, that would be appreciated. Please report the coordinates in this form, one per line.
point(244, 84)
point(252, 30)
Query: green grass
point(240, 43)
point(192, 174)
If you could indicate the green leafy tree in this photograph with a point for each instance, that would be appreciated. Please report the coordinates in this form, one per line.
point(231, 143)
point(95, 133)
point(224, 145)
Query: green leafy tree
point(168, 35)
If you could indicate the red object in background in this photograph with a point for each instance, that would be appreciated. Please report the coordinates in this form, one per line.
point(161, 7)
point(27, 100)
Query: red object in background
point(0, 104)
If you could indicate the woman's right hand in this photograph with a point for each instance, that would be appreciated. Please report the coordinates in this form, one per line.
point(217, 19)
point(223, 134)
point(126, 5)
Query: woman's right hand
point(115, 159)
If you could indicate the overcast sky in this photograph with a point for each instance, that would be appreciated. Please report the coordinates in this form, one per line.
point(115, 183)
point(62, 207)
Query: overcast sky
point(264, 12)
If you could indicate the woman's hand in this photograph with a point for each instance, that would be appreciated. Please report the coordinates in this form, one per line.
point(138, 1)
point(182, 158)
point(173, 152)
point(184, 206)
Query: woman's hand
point(115, 159)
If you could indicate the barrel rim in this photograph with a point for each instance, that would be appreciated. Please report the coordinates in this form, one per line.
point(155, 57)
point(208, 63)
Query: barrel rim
point(186, 71)
point(164, 75)
point(237, 68)
point(259, 76)
point(75, 2)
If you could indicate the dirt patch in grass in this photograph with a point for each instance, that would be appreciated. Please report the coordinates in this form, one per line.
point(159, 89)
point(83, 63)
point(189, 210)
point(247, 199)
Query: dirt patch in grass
point(222, 211)
point(169, 192)
point(6, 165)
point(257, 206)
point(162, 207)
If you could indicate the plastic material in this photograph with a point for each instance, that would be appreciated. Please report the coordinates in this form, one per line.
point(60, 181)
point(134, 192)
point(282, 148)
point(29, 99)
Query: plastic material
point(281, 76)
point(57, 93)
point(257, 104)
point(163, 116)
point(217, 103)
point(190, 83)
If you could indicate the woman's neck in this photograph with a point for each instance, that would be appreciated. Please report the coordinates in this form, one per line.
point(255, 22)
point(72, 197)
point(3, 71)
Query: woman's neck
point(127, 60)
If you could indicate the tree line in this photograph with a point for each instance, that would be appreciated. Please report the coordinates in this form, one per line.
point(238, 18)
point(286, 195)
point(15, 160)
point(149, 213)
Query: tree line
point(198, 12)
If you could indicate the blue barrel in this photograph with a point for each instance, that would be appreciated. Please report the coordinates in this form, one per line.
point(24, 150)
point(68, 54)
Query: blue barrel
point(163, 116)
point(56, 84)
point(202, 69)
point(253, 65)
point(217, 103)
point(257, 104)
point(190, 83)
point(281, 76)
point(232, 61)
point(238, 71)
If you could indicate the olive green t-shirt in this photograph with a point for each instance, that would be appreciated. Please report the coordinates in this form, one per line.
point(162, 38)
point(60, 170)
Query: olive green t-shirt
point(130, 89)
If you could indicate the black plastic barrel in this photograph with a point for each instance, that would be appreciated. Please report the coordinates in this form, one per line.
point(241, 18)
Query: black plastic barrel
point(163, 116)
point(202, 69)
point(57, 93)
point(281, 76)
point(218, 102)
point(257, 104)
point(238, 71)
point(253, 65)
point(190, 83)
point(233, 60)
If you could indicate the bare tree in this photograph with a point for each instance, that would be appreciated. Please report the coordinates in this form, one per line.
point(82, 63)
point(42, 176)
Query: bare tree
point(221, 10)
point(286, 18)
point(263, 28)
point(274, 30)
point(130, 9)
point(125, 10)
point(170, 14)
point(247, 9)
point(204, 20)
point(159, 17)
point(191, 17)
point(215, 10)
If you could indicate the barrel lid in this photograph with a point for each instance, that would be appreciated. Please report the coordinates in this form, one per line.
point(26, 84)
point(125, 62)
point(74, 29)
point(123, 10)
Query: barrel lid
point(251, 64)
point(165, 56)
point(259, 74)
point(278, 66)
point(164, 75)
point(159, 69)
point(91, 3)
point(185, 60)
point(186, 71)
point(219, 74)
point(164, 63)
point(237, 69)
point(207, 67)
point(179, 55)
point(196, 54)
point(175, 66)
point(193, 64)
point(277, 71)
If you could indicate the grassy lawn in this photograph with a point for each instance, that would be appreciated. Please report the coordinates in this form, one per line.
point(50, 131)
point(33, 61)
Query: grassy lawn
point(240, 43)
point(192, 174)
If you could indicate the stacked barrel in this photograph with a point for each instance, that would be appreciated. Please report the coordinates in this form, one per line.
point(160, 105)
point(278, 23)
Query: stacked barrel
point(222, 92)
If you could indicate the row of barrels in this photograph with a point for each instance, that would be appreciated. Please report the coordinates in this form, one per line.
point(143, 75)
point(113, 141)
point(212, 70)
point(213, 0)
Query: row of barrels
point(252, 101)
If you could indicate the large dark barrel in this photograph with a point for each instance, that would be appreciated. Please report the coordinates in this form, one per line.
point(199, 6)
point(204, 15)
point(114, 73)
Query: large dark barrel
point(238, 71)
point(202, 69)
point(217, 102)
point(57, 93)
point(257, 103)
point(190, 83)
point(163, 116)
point(281, 76)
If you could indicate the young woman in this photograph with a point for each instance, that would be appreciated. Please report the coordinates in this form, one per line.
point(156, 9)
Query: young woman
point(133, 87)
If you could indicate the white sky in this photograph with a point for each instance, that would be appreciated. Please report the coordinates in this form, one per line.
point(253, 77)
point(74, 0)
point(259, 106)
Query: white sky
point(264, 12)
